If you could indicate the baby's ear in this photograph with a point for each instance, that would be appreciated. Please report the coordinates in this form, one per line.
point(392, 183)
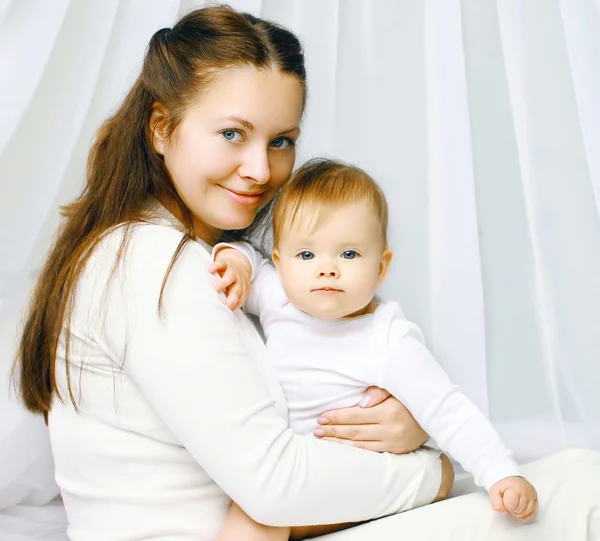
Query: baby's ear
point(276, 260)
point(384, 265)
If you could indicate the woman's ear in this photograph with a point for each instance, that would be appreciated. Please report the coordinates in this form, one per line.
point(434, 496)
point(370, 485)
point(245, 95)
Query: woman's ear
point(157, 125)
point(384, 265)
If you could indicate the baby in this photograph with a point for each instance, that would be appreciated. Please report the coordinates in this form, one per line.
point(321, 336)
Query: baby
point(330, 337)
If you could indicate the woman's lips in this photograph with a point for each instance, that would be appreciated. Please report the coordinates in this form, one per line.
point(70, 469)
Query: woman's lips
point(248, 199)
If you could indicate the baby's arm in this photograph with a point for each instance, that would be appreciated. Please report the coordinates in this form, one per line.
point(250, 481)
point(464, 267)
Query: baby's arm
point(412, 375)
point(240, 527)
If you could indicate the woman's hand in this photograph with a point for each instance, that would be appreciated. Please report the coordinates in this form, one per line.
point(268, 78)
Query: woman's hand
point(379, 423)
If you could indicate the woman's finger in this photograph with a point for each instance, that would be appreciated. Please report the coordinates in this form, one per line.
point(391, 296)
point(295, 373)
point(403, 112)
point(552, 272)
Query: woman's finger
point(348, 432)
point(367, 445)
point(348, 416)
point(373, 396)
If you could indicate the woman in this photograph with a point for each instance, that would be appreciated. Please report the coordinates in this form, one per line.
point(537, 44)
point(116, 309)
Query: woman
point(160, 403)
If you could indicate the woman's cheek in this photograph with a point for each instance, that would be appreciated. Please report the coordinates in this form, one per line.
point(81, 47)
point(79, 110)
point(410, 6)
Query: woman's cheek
point(281, 169)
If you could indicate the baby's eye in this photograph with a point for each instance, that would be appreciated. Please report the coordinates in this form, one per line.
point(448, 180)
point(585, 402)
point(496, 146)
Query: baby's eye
point(306, 256)
point(232, 135)
point(349, 254)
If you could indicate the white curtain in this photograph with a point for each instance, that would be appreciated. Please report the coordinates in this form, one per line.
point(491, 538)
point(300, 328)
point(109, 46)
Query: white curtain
point(480, 119)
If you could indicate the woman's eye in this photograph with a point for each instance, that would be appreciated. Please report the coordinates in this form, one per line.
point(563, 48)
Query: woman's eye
point(349, 254)
point(282, 143)
point(306, 255)
point(231, 135)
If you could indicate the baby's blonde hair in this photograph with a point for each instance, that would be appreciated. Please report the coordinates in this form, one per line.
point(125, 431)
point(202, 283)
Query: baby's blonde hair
point(323, 182)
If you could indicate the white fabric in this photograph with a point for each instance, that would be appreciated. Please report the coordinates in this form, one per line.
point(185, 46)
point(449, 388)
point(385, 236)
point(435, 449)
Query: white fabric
point(133, 462)
point(481, 120)
point(329, 364)
point(568, 485)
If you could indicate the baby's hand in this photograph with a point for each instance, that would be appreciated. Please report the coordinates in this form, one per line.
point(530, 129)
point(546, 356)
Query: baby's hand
point(514, 495)
point(235, 271)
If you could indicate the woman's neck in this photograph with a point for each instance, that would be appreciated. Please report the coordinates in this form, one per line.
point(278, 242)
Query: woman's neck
point(209, 235)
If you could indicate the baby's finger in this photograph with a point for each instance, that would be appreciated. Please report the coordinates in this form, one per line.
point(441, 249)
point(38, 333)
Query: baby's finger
point(532, 514)
point(232, 299)
point(496, 501)
point(222, 284)
point(521, 506)
point(240, 296)
point(226, 280)
point(510, 498)
point(217, 266)
point(244, 292)
point(529, 510)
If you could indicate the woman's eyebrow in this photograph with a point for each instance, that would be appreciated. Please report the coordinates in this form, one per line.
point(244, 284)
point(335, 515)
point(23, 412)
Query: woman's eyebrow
point(297, 129)
point(250, 126)
point(241, 121)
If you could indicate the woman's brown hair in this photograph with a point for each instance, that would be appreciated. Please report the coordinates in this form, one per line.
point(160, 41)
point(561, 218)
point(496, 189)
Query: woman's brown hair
point(124, 171)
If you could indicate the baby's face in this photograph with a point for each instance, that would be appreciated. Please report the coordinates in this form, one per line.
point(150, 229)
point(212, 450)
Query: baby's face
point(331, 261)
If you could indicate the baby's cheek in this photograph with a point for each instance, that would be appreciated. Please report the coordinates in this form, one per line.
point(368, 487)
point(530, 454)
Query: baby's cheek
point(366, 280)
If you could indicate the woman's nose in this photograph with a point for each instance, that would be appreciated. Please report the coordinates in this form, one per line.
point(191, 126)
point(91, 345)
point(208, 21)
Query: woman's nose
point(256, 166)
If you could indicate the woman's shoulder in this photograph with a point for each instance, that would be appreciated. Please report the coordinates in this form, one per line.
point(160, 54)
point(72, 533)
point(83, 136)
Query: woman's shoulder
point(155, 239)
point(145, 250)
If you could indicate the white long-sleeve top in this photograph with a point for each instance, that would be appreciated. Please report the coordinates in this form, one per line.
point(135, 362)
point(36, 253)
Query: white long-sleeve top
point(328, 364)
point(180, 413)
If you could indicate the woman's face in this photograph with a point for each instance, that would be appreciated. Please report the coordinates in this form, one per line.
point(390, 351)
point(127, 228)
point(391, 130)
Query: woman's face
point(234, 147)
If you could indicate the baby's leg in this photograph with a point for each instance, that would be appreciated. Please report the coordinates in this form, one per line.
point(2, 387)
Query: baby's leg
point(447, 478)
point(239, 526)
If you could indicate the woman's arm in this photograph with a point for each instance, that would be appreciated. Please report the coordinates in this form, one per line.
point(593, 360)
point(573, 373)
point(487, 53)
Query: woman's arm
point(185, 362)
point(240, 527)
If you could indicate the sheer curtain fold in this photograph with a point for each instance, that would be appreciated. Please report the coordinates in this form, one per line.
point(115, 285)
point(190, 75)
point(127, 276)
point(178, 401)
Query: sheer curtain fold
point(480, 119)
point(581, 26)
point(455, 273)
point(562, 214)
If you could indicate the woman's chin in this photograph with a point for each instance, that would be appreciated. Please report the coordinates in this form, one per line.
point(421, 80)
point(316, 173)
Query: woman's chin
point(237, 222)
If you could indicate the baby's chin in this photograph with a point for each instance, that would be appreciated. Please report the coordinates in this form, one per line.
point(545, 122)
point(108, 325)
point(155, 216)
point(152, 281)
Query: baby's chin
point(329, 314)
